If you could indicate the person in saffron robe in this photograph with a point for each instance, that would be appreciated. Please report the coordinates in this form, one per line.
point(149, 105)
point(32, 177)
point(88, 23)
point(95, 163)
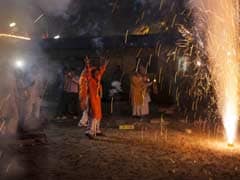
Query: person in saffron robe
point(139, 95)
point(83, 98)
point(94, 77)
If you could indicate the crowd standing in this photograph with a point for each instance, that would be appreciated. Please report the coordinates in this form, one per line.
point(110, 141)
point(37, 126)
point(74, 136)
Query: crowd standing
point(90, 92)
point(83, 93)
point(78, 94)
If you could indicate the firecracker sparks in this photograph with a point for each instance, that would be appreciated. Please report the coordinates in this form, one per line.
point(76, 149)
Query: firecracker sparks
point(15, 37)
point(218, 19)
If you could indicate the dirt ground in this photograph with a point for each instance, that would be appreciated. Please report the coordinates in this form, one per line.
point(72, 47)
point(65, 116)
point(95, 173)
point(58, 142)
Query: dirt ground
point(171, 150)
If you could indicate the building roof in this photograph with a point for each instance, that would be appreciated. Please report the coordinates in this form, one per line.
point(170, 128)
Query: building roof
point(110, 42)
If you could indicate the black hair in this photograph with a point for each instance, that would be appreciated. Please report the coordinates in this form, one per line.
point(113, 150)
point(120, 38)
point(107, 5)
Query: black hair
point(94, 71)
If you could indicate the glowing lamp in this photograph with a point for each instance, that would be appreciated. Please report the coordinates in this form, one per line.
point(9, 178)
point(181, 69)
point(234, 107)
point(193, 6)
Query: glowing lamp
point(57, 37)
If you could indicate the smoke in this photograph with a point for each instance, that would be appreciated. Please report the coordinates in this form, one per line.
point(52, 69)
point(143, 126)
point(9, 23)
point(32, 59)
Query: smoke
point(25, 12)
point(17, 81)
point(53, 7)
point(153, 3)
point(82, 17)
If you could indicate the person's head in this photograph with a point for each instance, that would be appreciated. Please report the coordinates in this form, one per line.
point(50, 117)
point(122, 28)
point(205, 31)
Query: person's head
point(95, 73)
point(74, 72)
point(142, 70)
point(69, 73)
point(136, 73)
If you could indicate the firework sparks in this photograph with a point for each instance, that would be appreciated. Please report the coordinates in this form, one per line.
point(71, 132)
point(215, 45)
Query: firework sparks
point(126, 37)
point(220, 18)
point(38, 18)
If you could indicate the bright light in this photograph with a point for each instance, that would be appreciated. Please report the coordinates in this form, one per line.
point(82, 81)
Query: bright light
point(57, 37)
point(15, 37)
point(230, 121)
point(228, 53)
point(19, 64)
point(199, 63)
point(13, 24)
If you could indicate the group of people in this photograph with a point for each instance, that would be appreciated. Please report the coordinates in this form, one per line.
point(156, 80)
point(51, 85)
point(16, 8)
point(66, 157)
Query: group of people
point(20, 108)
point(84, 93)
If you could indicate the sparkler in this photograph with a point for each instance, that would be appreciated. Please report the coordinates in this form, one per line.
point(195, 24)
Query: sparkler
point(38, 18)
point(221, 18)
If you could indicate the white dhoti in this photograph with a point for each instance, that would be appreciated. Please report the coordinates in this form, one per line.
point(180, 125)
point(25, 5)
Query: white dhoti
point(93, 127)
point(137, 110)
point(84, 120)
point(145, 106)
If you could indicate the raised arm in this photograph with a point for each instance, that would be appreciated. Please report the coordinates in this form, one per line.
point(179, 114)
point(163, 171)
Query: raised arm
point(88, 68)
point(103, 68)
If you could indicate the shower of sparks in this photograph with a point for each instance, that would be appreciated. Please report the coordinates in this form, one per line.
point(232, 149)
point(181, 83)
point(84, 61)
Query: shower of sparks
point(138, 63)
point(218, 20)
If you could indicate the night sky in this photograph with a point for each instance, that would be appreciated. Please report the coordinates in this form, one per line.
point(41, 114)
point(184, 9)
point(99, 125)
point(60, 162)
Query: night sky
point(72, 18)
